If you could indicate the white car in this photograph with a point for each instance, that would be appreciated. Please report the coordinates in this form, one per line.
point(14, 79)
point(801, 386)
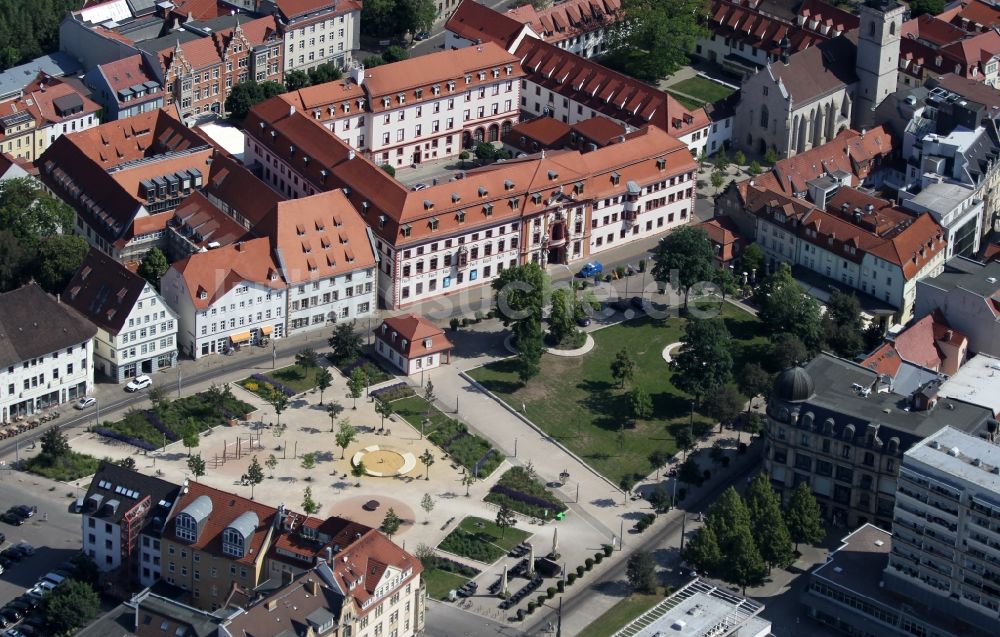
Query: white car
point(139, 382)
point(86, 401)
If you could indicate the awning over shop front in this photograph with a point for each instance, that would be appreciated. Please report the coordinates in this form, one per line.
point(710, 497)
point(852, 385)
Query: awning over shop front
point(242, 337)
point(266, 330)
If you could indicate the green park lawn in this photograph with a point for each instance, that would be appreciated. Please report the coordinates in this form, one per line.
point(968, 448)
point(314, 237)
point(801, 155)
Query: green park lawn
point(440, 582)
point(620, 614)
point(577, 401)
point(687, 102)
point(449, 434)
point(481, 540)
point(702, 89)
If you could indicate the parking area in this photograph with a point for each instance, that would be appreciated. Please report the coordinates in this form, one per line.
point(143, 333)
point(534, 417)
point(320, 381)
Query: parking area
point(53, 531)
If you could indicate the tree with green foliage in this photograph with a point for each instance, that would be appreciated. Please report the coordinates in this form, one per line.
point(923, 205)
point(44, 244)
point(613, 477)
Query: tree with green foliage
point(787, 350)
point(427, 459)
point(356, 385)
point(59, 257)
point(190, 435)
point(30, 213)
point(395, 53)
point(753, 425)
point(323, 73)
point(323, 381)
point(702, 551)
point(519, 297)
point(771, 534)
point(345, 343)
point(689, 473)
point(297, 79)
point(684, 439)
point(333, 410)
point(744, 565)
point(279, 402)
point(786, 308)
point(754, 168)
point(842, 326)
point(753, 380)
point(505, 519)
point(771, 157)
point(641, 572)
point(640, 404)
point(84, 569)
point(306, 358)
point(658, 458)
point(805, 524)
point(752, 260)
point(622, 367)
point(687, 253)
point(128, 462)
point(718, 178)
point(427, 504)
point(873, 335)
point(397, 17)
point(55, 445)
point(703, 363)
point(654, 38)
point(740, 158)
point(562, 323)
point(345, 436)
point(69, 606)
point(310, 506)
point(384, 410)
point(920, 7)
point(467, 481)
point(254, 474)
point(153, 266)
point(726, 516)
point(390, 523)
point(308, 462)
point(721, 161)
point(359, 470)
point(725, 405)
point(726, 281)
point(248, 94)
point(271, 463)
point(14, 259)
point(196, 465)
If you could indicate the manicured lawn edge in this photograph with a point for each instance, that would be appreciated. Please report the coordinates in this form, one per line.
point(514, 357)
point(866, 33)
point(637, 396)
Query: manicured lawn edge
point(71, 467)
point(525, 495)
point(616, 617)
point(485, 544)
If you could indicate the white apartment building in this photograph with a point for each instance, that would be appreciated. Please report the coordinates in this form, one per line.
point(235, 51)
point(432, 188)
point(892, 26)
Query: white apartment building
point(318, 31)
point(421, 109)
point(45, 353)
point(122, 516)
point(136, 330)
point(946, 527)
point(957, 208)
point(226, 297)
point(314, 264)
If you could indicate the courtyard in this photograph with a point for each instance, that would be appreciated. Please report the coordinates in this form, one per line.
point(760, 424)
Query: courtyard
point(576, 400)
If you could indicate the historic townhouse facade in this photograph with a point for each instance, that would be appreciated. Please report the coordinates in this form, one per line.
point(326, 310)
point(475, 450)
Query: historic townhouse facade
point(199, 74)
point(555, 208)
point(318, 31)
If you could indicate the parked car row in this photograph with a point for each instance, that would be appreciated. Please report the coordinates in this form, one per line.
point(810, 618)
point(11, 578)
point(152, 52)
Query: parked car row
point(19, 617)
point(16, 515)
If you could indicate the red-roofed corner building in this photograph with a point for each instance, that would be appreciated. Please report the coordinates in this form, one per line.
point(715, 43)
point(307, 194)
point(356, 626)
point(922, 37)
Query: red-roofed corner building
point(412, 343)
point(312, 264)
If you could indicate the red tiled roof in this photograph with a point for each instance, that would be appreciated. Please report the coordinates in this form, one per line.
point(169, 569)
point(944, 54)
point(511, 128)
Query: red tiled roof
point(237, 190)
point(215, 272)
point(605, 91)
point(359, 568)
point(976, 12)
point(209, 51)
point(547, 131)
point(226, 507)
point(204, 223)
point(127, 72)
point(318, 237)
point(293, 8)
point(599, 130)
point(918, 343)
point(407, 334)
point(884, 360)
point(474, 21)
point(850, 151)
point(567, 19)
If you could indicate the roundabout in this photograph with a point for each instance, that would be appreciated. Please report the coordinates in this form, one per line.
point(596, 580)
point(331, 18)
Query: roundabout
point(384, 462)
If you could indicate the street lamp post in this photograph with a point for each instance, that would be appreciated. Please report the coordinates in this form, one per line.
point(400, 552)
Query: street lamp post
point(178, 380)
point(515, 446)
point(97, 403)
point(621, 537)
point(274, 353)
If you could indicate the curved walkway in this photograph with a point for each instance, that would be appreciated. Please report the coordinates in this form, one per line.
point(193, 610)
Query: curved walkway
point(670, 348)
point(588, 345)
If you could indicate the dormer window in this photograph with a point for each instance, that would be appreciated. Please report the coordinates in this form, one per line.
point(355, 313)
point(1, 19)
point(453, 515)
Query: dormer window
point(401, 98)
point(451, 85)
point(236, 536)
point(436, 89)
point(661, 163)
point(381, 221)
point(468, 79)
point(509, 69)
point(482, 75)
point(496, 72)
point(418, 93)
point(483, 191)
point(433, 223)
point(428, 204)
point(536, 197)
point(515, 203)
point(427, 343)
point(488, 210)
point(405, 230)
point(185, 528)
point(615, 179)
point(508, 184)
point(460, 216)
point(385, 101)
point(578, 188)
point(455, 197)
point(553, 175)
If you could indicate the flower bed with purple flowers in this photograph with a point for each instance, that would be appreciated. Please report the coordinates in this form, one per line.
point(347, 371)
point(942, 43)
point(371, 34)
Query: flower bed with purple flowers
point(172, 419)
point(393, 392)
